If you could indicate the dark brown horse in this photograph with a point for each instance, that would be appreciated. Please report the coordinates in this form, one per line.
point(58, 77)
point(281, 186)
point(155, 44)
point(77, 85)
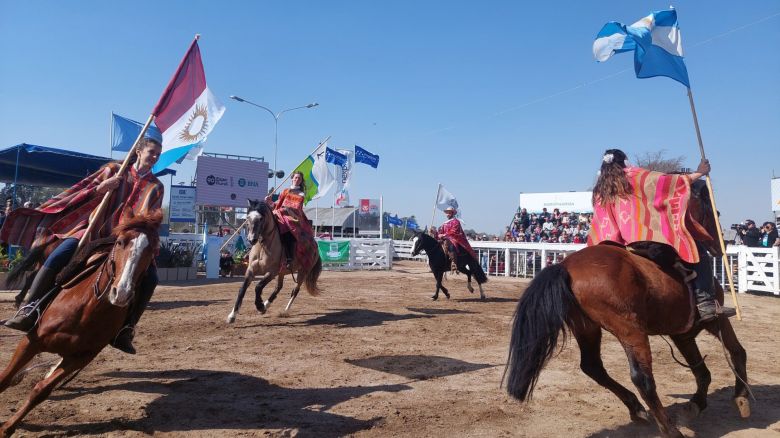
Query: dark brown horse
point(89, 311)
point(266, 259)
point(607, 287)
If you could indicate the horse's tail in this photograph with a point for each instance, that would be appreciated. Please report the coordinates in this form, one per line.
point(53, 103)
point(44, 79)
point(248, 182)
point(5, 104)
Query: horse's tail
point(477, 272)
point(311, 278)
point(540, 316)
point(36, 256)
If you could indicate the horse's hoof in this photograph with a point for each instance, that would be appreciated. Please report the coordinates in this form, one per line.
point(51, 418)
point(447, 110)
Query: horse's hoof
point(231, 319)
point(743, 405)
point(448, 297)
point(260, 307)
point(641, 417)
point(435, 297)
point(482, 297)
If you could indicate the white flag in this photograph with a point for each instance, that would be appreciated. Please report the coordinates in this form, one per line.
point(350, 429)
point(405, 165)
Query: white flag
point(445, 199)
point(320, 173)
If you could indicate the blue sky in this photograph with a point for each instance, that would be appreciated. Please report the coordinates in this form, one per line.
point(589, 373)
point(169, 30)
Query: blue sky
point(488, 98)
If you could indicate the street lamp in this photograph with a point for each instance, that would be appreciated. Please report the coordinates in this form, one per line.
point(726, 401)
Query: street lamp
point(276, 124)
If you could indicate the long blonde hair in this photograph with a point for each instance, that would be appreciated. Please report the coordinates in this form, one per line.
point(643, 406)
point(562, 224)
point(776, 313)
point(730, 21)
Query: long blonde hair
point(612, 183)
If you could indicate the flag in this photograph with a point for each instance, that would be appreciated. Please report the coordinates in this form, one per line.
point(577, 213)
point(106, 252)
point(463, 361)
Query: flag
point(394, 220)
point(187, 110)
point(344, 173)
point(316, 174)
point(411, 223)
point(366, 157)
point(445, 199)
point(334, 157)
point(656, 43)
point(124, 132)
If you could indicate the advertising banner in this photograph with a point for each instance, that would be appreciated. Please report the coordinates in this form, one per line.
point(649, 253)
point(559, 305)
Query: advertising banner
point(333, 251)
point(182, 205)
point(228, 182)
point(571, 202)
point(368, 215)
point(775, 194)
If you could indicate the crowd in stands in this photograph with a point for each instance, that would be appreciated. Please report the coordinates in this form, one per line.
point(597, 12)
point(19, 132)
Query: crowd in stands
point(549, 227)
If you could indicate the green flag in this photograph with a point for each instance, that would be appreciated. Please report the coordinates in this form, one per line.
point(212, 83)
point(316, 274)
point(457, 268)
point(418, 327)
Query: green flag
point(316, 174)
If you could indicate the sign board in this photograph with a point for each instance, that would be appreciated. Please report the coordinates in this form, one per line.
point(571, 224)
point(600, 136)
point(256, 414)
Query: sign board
point(229, 182)
point(182, 205)
point(368, 215)
point(571, 202)
point(775, 194)
point(334, 251)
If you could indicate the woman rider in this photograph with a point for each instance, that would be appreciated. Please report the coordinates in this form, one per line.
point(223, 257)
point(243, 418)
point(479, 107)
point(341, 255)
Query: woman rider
point(288, 210)
point(66, 218)
point(631, 204)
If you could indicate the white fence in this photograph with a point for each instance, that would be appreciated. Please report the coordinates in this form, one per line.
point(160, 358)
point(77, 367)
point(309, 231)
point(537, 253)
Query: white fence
point(754, 269)
point(365, 254)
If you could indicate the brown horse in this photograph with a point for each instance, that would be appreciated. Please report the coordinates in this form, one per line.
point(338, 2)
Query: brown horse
point(607, 287)
point(87, 314)
point(266, 258)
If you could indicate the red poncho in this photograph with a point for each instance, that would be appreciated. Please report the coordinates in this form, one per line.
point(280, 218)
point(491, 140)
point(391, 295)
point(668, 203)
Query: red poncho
point(452, 231)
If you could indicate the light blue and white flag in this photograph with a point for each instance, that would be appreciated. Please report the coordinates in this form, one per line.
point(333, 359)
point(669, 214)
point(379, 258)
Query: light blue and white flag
point(124, 131)
point(655, 41)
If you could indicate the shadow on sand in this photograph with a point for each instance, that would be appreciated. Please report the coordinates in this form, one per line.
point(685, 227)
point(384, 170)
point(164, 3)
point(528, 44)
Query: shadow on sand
point(203, 400)
point(170, 305)
point(432, 311)
point(720, 417)
point(350, 318)
point(418, 367)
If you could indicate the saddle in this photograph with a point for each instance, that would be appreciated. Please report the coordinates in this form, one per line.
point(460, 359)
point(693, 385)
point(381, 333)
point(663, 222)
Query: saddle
point(666, 258)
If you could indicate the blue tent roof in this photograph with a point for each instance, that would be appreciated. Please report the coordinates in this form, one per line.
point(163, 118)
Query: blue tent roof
point(45, 166)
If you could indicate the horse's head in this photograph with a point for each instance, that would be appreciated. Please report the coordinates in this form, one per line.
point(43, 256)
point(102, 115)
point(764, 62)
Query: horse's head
point(256, 215)
point(418, 242)
point(137, 240)
point(700, 209)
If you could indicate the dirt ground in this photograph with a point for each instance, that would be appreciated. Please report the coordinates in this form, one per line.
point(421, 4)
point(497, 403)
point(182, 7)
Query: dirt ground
point(373, 356)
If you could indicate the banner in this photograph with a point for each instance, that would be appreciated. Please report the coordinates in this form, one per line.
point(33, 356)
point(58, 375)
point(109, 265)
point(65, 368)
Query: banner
point(333, 251)
point(182, 204)
point(775, 194)
point(343, 174)
point(571, 202)
point(229, 182)
point(368, 215)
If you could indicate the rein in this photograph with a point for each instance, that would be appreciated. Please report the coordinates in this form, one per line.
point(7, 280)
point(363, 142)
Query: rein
point(111, 272)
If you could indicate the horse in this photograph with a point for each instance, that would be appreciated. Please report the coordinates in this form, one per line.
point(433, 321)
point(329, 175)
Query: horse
point(440, 263)
point(97, 288)
point(266, 259)
point(607, 287)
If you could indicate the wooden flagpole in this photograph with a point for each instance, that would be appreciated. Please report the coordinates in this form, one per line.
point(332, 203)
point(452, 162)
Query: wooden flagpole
point(726, 264)
point(94, 218)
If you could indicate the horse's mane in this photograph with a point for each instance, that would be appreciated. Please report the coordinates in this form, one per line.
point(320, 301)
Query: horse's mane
point(148, 224)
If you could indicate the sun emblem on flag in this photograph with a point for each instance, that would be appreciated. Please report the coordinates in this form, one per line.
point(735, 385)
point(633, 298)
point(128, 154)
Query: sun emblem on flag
point(197, 125)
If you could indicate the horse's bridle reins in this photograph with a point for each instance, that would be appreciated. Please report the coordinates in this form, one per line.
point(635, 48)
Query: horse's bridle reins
point(111, 272)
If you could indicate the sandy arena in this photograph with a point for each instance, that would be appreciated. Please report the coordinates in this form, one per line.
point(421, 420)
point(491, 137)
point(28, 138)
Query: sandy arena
point(373, 356)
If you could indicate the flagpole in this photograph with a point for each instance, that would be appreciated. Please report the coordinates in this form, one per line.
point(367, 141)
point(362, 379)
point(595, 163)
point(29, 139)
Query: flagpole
point(438, 190)
point(381, 217)
point(724, 256)
point(100, 210)
point(111, 136)
point(288, 176)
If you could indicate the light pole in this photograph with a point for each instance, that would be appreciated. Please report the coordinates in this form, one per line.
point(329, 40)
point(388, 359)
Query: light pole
point(276, 124)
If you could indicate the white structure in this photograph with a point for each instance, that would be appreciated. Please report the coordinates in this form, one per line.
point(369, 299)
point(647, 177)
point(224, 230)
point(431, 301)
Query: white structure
point(572, 202)
point(365, 254)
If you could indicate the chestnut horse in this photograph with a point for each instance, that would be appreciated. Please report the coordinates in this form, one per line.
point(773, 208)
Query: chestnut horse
point(266, 258)
point(86, 315)
point(607, 287)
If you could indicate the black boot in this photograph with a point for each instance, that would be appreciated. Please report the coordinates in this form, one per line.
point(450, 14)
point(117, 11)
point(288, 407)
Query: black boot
point(708, 308)
point(288, 241)
point(124, 339)
point(35, 302)
point(704, 286)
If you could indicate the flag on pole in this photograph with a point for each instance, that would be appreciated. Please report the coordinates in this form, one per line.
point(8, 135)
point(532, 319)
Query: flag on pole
point(366, 157)
point(343, 175)
point(187, 110)
point(445, 199)
point(335, 157)
point(126, 131)
point(316, 174)
point(394, 220)
point(655, 41)
point(411, 223)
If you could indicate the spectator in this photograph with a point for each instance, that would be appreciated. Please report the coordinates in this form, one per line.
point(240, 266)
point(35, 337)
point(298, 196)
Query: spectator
point(225, 263)
point(750, 234)
point(769, 235)
point(9, 206)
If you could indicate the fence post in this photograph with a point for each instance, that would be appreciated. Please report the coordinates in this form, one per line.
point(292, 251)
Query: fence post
point(507, 262)
point(776, 270)
point(742, 269)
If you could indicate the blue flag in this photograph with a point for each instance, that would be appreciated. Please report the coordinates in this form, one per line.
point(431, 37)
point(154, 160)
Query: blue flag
point(125, 131)
point(412, 224)
point(366, 157)
point(655, 41)
point(394, 220)
point(335, 157)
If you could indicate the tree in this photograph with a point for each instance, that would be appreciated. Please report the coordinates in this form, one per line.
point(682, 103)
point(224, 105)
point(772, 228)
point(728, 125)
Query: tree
point(658, 162)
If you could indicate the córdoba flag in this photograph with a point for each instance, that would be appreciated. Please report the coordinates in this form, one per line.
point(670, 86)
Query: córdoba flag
point(187, 110)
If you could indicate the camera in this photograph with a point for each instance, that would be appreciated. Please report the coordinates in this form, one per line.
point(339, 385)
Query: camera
point(738, 227)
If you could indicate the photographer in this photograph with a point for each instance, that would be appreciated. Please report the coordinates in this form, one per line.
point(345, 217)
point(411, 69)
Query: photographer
point(769, 236)
point(750, 234)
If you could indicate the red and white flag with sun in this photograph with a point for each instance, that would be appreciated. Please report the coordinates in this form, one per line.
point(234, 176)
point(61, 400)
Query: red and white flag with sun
point(187, 110)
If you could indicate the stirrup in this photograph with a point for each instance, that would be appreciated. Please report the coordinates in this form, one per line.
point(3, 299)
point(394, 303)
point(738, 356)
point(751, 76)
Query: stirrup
point(30, 311)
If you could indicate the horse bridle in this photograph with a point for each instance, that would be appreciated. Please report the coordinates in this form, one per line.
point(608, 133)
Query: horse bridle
point(111, 272)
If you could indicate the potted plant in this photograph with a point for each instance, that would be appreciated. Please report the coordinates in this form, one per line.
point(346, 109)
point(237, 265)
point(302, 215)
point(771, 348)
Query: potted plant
point(164, 261)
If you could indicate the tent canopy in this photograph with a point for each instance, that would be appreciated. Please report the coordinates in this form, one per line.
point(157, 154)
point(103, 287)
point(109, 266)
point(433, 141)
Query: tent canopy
point(50, 167)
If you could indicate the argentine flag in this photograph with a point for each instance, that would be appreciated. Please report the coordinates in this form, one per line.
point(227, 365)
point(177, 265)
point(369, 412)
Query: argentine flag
point(655, 41)
point(187, 111)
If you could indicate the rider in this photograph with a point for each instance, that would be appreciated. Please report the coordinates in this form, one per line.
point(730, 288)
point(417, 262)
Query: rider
point(66, 217)
point(453, 238)
point(288, 210)
point(631, 204)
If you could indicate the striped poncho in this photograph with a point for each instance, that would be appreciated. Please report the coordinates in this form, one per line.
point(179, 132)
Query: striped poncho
point(67, 214)
point(657, 212)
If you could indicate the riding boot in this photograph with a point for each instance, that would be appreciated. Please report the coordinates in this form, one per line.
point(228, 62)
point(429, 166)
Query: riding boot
point(35, 301)
point(449, 250)
point(124, 340)
point(288, 241)
point(704, 287)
